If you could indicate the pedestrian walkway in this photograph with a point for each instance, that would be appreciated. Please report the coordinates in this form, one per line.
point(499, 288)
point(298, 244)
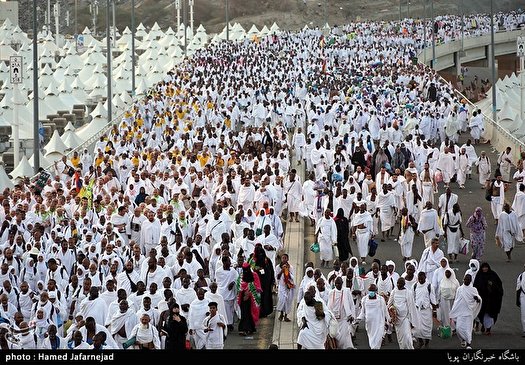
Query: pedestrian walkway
point(285, 333)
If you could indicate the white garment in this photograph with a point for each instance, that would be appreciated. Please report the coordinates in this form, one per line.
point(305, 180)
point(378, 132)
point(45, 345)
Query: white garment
point(375, 314)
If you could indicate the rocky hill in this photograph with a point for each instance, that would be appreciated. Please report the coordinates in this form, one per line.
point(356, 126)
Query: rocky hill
point(289, 14)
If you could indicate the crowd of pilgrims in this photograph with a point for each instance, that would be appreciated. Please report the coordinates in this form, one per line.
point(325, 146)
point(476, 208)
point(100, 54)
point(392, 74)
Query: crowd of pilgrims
point(170, 231)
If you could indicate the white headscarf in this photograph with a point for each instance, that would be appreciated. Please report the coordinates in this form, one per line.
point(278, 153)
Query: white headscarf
point(448, 286)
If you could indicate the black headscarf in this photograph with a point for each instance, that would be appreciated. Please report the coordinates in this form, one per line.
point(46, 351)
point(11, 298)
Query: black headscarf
point(490, 289)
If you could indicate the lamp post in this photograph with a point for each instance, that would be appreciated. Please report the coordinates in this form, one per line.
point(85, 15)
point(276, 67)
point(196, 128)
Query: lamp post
point(185, 21)
point(108, 58)
point(56, 13)
point(493, 61)
point(76, 24)
point(132, 48)
point(191, 3)
point(93, 9)
point(400, 1)
point(433, 34)
point(114, 24)
point(408, 9)
point(227, 20)
point(48, 18)
point(177, 7)
point(36, 135)
point(424, 31)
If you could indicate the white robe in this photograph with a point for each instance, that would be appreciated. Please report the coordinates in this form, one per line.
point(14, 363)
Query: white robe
point(508, 230)
point(314, 335)
point(430, 261)
point(341, 304)
point(363, 235)
point(197, 313)
point(285, 295)
point(407, 316)
point(375, 314)
point(518, 206)
point(423, 299)
point(464, 310)
point(429, 225)
point(327, 230)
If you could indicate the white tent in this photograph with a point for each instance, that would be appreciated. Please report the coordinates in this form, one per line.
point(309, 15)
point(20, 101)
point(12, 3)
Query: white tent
point(23, 169)
point(4, 180)
point(53, 100)
point(71, 140)
point(55, 145)
point(41, 159)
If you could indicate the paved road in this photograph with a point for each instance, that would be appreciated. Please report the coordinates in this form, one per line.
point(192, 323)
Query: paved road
point(507, 331)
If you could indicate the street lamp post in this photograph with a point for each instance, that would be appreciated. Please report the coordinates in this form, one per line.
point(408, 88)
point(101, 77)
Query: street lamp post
point(93, 9)
point(493, 61)
point(114, 24)
point(56, 12)
point(400, 1)
point(408, 9)
point(108, 58)
point(177, 7)
point(36, 135)
point(424, 31)
point(227, 20)
point(433, 34)
point(185, 21)
point(132, 48)
point(191, 3)
point(48, 19)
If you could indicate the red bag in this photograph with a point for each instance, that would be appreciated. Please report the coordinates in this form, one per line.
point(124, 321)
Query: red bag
point(188, 345)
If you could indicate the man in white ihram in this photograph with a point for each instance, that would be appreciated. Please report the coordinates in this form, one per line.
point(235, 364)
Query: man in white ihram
point(146, 335)
point(430, 259)
point(341, 303)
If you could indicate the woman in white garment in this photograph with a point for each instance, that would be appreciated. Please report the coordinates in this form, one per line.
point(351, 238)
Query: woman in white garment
point(439, 272)
point(307, 281)
point(375, 314)
point(453, 232)
point(484, 168)
point(466, 307)
point(445, 295)
point(362, 226)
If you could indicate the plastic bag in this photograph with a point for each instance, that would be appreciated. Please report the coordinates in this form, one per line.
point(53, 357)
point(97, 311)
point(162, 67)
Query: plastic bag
point(463, 244)
point(444, 332)
point(315, 247)
point(336, 251)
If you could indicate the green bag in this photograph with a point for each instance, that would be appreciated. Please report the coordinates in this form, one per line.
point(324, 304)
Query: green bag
point(129, 342)
point(315, 247)
point(444, 332)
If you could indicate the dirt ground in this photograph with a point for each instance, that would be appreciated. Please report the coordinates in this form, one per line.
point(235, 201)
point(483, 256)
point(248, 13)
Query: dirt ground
point(288, 14)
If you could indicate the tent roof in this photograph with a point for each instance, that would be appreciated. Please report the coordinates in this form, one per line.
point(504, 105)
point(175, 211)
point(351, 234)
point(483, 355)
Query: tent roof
point(4, 180)
point(55, 145)
point(23, 169)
